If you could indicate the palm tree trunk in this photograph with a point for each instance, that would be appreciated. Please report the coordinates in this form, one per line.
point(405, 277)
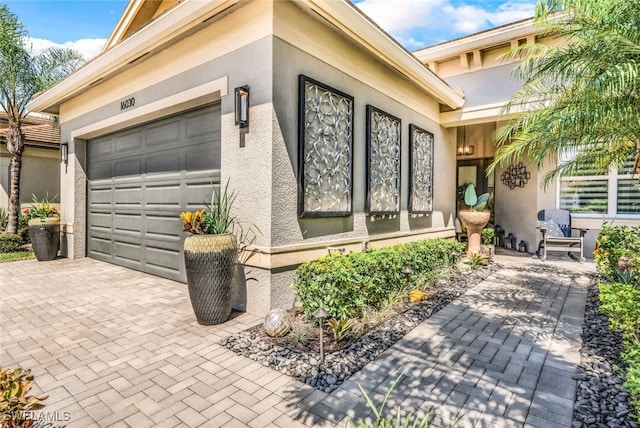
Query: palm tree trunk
point(15, 146)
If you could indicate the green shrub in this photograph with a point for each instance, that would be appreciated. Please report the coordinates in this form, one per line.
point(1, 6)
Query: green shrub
point(614, 242)
point(14, 401)
point(23, 228)
point(10, 243)
point(631, 356)
point(621, 303)
point(345, 285)
point(4, 219)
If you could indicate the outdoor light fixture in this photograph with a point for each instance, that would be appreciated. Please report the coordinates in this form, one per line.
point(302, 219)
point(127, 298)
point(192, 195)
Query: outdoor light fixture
point(465, 149)
point(242, 106)
point(64, 152)
point(321, 314)
point(407, 271)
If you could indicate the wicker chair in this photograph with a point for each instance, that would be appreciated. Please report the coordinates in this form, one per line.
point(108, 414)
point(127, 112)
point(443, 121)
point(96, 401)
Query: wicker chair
point(555, 225)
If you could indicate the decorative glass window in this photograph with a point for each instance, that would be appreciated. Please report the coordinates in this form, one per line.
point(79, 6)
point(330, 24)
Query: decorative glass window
point(383, 162)
point(325, 135)
point(615, 194)
point(421, 172)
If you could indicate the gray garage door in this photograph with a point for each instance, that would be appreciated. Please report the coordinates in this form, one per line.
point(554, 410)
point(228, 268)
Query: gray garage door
point(140, 179)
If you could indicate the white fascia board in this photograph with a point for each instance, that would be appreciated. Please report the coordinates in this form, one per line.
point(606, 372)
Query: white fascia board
point(127, 17)
point(479, 114)
point(476, 41)
point(168, 26)
point(353, 24)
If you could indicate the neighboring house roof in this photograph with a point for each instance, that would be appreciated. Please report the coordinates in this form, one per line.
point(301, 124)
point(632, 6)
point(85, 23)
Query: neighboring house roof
point(38, 131)
point(169, 22)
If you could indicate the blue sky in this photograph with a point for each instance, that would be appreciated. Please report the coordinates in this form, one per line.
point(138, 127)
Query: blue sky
point(86, 24)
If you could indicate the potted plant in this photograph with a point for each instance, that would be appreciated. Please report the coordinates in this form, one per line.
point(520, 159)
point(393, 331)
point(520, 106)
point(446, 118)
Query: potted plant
point(210, 256)
point(44, 228)
point(488, 242)
point(474, 219)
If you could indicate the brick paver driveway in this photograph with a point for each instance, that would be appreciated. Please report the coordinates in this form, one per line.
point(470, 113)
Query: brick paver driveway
point(115, 347)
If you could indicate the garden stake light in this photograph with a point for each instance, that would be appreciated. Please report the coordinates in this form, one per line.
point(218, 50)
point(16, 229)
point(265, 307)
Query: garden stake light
point(321, 314)
point(407, 271)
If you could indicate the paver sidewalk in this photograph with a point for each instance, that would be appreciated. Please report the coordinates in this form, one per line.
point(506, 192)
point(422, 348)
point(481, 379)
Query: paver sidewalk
point(115, 347)
point(503, 354)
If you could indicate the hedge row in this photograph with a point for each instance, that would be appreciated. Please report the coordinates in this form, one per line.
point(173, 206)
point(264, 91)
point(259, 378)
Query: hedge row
point(621, 303)
point(620, 296)
point(344, 285)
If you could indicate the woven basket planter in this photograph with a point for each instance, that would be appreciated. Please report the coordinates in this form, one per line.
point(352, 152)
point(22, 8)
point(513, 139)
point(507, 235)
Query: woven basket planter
point(45, 237)
point(210, 262)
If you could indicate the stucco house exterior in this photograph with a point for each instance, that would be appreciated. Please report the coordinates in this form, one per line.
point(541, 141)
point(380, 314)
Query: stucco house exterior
point(478, 66)
point(350, 140)
point(40, 174)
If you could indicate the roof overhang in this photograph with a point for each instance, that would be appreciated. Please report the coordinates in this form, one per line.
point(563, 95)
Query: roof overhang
point(155, 35)
point(493, 37)
point(354, 24)
point(188, 14)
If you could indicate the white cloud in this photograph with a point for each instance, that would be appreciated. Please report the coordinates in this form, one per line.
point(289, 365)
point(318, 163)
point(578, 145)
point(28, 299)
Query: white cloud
point(417, 23)
point(400, 16)
point(89, 48)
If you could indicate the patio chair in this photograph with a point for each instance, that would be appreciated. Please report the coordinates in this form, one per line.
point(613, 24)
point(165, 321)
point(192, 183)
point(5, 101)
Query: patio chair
point(555, 225)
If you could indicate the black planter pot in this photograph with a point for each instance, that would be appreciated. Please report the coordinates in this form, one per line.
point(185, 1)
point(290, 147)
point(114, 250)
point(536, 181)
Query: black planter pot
point(210, 262)
point(45, 237)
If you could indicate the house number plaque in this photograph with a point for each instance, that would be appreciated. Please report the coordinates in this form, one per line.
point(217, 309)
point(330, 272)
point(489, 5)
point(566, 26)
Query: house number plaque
point(127, 104)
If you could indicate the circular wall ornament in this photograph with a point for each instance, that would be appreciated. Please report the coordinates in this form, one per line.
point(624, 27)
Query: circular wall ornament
point(515, 176)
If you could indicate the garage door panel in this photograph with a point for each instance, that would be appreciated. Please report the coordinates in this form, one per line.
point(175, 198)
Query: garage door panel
point(101, 246)
point(201, 158)
point(100, 220)
point(199, 123)
point(141, 179)
point(129, 143)
point(101, 172)
point(163, 134)
point(164, 227)
point(128, 224)
point(165, 161)
point(129, 166)
point(164, 258)
point(128, 250)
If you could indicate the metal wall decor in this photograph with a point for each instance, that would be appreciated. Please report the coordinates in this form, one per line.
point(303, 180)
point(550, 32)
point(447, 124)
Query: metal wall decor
point(383, 162)
point(421, 171)
point(325, 150)
point(515, 176)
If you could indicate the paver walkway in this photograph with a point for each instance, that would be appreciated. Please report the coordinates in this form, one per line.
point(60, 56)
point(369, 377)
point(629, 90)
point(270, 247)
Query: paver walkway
point(115, 347)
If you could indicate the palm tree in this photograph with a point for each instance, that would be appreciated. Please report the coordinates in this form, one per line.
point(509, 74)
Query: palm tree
point(23, 74)
point(580, 99)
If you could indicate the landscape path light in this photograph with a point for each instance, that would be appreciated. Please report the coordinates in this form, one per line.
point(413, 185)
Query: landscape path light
point(320, 314)
point(407, 271)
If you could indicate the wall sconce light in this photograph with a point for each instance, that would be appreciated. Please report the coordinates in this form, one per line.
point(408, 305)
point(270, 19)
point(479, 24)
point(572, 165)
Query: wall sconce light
point(64, 152)
point(465, 149)
point(242, 106)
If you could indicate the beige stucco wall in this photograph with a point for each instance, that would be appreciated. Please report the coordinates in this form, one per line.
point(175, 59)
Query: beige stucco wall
point(40, 175)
